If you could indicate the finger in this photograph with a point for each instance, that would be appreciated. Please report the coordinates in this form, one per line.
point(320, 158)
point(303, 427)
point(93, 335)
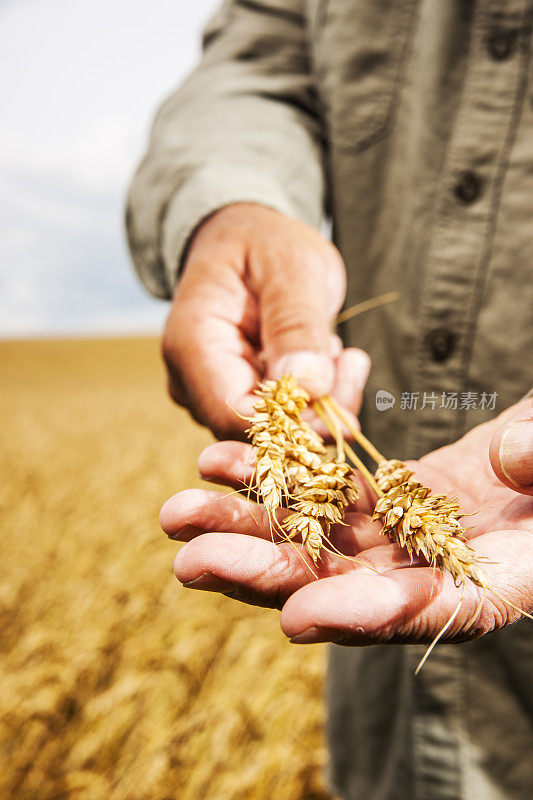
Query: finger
point(258, 572)
point(227, 463)
point(336, 346)
point(193, 512)
point(409, 605)
point(357, 608)
point(208, 348)
point(351, 373)
point(511, 452)
point(196, 511)
point(232, 464)
point(414, 604)
point(220, 380)
point(253, 571)
point(296, 308)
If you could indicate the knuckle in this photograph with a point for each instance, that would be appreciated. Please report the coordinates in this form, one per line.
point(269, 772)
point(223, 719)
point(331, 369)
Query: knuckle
point(170, 339)
point(224, 430)
point(220, 430)
point(175, 393)
point(167, 346)
point(298, 317)
point(270, 588)
point(324, 259)
point(333, 256)
point(180, 337)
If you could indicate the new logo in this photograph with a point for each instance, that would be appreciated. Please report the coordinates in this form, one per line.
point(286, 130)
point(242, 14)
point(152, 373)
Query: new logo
point(384, 400)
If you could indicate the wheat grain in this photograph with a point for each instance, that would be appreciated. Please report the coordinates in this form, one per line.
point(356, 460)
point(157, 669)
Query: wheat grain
point(425, 524)
point(320, 504)
point(290, 470)
point(282, 439)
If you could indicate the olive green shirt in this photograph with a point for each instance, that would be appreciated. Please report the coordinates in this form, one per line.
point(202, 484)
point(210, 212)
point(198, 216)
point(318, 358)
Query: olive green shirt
point(409, 123)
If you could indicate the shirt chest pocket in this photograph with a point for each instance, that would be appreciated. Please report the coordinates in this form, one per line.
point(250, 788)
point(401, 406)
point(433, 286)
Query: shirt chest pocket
point(359, 48)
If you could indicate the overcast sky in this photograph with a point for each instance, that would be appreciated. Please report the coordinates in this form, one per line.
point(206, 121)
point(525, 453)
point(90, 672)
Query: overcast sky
point(81, 80)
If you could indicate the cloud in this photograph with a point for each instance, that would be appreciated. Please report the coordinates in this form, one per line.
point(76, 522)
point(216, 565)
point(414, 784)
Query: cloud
point(84, 82)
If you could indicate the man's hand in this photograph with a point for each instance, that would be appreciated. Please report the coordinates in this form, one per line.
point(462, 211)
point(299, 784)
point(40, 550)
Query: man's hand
point(256, 299)
point(380, 597)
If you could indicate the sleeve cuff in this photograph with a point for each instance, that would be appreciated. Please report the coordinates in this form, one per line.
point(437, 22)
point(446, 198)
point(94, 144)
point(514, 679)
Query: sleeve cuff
point(205, 192)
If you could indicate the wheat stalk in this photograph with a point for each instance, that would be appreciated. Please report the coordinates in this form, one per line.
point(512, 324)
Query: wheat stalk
point(322, 409)
point(366, 305)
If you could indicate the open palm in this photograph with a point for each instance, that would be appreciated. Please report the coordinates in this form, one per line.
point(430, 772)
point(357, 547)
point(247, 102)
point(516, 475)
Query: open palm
point(376, 594)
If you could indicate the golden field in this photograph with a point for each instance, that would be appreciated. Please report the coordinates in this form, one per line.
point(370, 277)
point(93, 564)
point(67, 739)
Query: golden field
point(115, 682)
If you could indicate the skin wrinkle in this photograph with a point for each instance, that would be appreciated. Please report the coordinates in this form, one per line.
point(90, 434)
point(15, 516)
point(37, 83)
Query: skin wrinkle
point(264, 576)
point(241, 467)
point(418, 631)
point(525, 415)
point(508, 447)
point(343, 612)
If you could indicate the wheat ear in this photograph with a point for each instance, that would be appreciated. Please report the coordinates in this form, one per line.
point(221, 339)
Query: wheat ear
point(290, 470)
point(424, 524)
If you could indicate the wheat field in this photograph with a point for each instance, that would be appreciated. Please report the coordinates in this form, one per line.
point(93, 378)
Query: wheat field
point(115, 682)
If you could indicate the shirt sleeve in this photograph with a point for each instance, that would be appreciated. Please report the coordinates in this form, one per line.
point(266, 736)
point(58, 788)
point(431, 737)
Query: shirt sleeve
point(245, 126)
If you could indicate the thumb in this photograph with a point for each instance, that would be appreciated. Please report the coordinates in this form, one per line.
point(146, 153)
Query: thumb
point(511, 452)
point(297, 305)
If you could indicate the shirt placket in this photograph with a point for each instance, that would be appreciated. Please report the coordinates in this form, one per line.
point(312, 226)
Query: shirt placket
point(465, 212)
point(454, 271)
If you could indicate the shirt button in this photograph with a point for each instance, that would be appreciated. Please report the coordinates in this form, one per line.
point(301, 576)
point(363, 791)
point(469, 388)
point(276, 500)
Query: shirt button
point(468, 187)
point(441, 343)
point(500, 44)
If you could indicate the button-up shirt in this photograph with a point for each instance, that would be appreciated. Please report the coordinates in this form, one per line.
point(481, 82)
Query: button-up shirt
point(410, 123)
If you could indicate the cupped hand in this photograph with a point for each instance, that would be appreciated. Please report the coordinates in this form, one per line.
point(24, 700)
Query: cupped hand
point(256, 299)
point(372, 593)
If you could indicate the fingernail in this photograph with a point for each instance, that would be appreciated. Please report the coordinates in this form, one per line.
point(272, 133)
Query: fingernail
point(184, 534)
point(516, 453)
point(315, 635)
point(313, 371)
point(307, 637)
point(210, 583)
